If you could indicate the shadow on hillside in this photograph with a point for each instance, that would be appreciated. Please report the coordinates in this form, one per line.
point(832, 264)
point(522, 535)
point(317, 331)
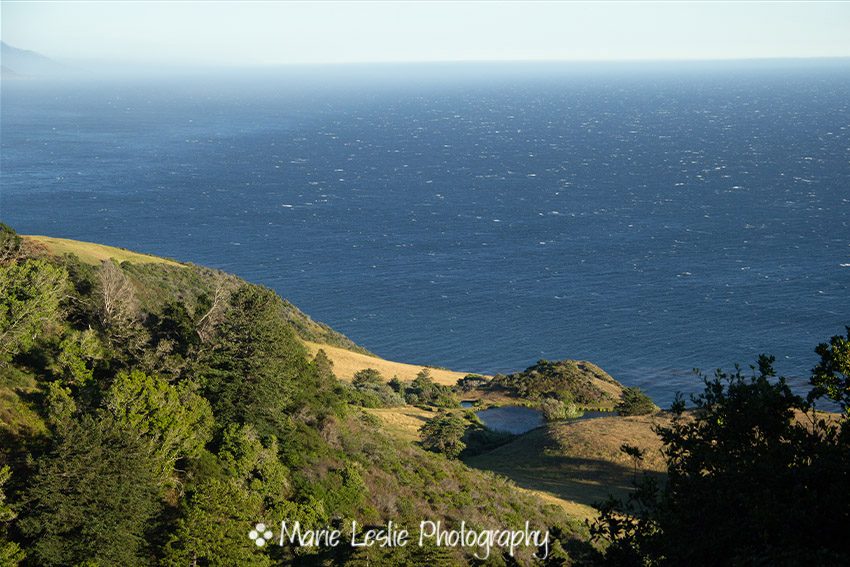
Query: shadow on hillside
point(586, 481)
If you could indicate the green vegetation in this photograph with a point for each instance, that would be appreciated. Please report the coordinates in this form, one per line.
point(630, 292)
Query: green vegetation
point(754, 477)
point(569, 381)
point(635, 402)
point(424, 391)
point(555, 410)
point(10, 552)
point(151, 413)
point(10, 244)
point(831, 376)
point(370, 390)
point(443, 434)
point(92, 495)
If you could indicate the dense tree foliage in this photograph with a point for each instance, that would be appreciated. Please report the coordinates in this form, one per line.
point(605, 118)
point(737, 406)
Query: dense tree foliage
point(424, 391)
point(754, 477)
point(369, 389)
point(444, 434)
point(635, 402)
point(10, 552)
point(176, 420)
point(10, 244)
point(252, 374)
point(93, 495)
point(30, 293)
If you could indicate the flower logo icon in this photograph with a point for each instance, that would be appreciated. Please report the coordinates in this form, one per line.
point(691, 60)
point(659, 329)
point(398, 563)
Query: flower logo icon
point(260, 535)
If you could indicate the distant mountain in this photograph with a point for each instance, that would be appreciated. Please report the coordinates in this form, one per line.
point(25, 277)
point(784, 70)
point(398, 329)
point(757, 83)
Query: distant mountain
point(6, 72)
point(20, 62)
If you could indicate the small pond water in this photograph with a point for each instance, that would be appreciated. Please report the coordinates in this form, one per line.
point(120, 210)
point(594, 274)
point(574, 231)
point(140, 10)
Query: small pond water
point(519, 419)
point(513, 419)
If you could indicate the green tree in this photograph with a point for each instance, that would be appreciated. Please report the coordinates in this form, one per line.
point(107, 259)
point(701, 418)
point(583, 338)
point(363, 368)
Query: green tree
point(367, 376)
point(635, 402)
point(92, 496)
point(423, 382)
point(10, 552)
point(324, 366)
point(177, 421)
point(61, 407)
point(253, 463)
point(395, 384)
point(252, 374)
point(175, 325)
point(248, 485)
point(79, 354)
point(831, 376)
point(443, 434)
point(423, 390)
point(213, 529)
point(30, 294)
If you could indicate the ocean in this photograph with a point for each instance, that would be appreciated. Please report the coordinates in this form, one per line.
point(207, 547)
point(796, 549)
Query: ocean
point(651, 218)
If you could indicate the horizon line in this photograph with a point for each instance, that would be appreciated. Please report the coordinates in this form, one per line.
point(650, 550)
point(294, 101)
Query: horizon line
point(262, 65)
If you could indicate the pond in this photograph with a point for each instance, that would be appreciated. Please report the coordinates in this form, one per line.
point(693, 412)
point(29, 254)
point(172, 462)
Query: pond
point(513, 419)
point(520, 419)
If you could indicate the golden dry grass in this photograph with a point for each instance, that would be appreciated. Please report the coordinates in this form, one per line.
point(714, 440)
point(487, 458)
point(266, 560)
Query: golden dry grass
point(404, 422)
point(347, 363)
point(578, 462)
point(91, 253)
point(601, 438)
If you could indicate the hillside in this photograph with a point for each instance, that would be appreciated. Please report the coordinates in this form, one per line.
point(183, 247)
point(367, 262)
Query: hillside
point(347, 363)
point(571, 464)
point(88, 252)
point(200, 392)
point(579, 462)
point(93, 254)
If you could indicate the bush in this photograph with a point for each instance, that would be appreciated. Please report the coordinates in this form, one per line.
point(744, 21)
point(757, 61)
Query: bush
point(423, 390)
point(554, 410)
point(367, 376)
point(471, 382)
point(480, 440)
point(635, 402)
point(443, 434)
point(369, 390)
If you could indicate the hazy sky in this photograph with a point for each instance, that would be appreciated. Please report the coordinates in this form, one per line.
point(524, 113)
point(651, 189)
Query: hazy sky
point(337, 32)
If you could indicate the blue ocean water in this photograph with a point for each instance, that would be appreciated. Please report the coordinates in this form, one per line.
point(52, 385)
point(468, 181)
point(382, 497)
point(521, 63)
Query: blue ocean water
point(649, 218)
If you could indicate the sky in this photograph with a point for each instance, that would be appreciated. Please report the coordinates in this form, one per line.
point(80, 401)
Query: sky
point(272, 33)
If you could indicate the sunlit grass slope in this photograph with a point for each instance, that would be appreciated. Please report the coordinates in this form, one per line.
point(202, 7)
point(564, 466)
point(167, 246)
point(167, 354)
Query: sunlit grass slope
point(347, 363)
point(91, 253)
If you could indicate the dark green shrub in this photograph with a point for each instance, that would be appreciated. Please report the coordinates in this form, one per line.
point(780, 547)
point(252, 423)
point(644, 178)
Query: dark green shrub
point(444, 434)
point(635, 402)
